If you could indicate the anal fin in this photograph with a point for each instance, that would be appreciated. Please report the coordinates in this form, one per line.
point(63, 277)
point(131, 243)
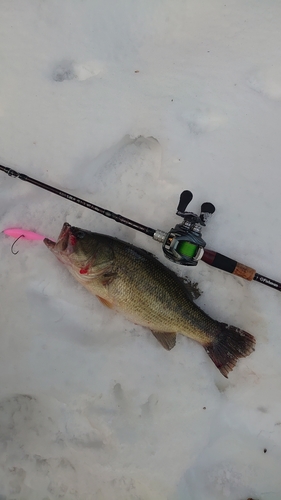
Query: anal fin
point(166, 339)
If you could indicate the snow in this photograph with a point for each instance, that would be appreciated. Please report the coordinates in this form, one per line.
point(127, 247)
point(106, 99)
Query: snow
point(126, 104)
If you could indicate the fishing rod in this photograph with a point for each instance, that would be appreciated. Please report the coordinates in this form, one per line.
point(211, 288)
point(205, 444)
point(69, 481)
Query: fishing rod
point(183, 244)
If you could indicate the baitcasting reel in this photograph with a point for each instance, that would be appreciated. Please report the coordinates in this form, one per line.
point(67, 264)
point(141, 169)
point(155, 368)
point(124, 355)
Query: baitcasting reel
point(184, 244)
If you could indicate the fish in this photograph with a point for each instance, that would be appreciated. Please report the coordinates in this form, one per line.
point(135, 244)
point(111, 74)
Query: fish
point(135, 283)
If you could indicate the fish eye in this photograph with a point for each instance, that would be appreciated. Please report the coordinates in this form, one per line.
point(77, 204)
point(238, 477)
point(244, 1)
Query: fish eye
point(80, 235)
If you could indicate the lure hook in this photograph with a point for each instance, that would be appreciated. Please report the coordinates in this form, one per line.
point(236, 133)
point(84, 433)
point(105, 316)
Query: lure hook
point(12, 247)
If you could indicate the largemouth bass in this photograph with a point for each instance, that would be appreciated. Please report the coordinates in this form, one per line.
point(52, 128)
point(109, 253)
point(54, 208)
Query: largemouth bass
point(134, 283)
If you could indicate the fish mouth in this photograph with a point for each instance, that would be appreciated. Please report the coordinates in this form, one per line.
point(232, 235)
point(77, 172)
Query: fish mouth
point(62, 243)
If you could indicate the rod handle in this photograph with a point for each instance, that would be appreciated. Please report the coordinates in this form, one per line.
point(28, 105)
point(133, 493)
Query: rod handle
point(231, 266)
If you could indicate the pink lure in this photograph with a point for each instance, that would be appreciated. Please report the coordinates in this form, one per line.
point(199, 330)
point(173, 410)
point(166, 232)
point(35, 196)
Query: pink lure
point(29, 235)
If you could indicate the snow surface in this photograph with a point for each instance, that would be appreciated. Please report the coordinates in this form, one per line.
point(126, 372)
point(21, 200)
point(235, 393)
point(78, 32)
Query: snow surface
point(126, 104)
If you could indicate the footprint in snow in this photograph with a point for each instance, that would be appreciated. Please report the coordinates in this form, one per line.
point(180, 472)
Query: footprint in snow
point(203, 121)
point(69, 70)
point(266, 80)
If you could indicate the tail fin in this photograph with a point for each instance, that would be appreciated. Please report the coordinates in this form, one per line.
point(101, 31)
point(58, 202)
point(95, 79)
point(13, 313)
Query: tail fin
point(230, 344)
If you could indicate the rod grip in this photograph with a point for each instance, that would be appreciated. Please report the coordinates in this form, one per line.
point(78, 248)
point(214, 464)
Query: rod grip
point(231, 266)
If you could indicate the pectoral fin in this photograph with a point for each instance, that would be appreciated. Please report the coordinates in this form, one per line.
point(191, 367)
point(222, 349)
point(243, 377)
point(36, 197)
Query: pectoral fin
point(166, 339)
point(105, 302)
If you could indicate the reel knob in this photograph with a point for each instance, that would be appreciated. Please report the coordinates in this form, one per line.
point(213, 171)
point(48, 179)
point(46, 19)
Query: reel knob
point(207, 209)
point(185, 199)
